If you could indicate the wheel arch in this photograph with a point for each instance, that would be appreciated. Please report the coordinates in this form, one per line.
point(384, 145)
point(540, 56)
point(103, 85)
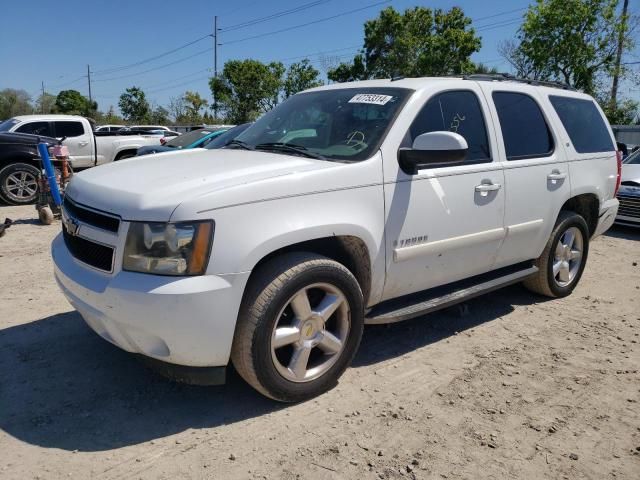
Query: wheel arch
point(348, 250)
point(125, 151)
point(587, 205)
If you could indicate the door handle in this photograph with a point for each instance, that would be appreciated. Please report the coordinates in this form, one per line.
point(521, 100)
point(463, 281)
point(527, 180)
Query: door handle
point(556, 175)
point(488, 187)
point(83, 144)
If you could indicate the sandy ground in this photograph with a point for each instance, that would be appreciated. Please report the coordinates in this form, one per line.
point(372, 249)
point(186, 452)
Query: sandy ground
point(510, 386)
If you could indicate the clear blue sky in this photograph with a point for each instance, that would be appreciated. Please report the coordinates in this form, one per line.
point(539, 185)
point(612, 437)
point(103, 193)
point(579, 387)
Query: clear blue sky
point(41, 40)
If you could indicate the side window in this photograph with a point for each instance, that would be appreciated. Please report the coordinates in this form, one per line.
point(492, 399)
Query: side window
point(584, 124)
point(524, 128)
point(459, 112)
point(36, 128)
point(69, 129)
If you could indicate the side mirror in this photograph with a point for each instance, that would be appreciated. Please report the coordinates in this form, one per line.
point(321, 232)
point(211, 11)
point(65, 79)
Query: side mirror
point(433, 149)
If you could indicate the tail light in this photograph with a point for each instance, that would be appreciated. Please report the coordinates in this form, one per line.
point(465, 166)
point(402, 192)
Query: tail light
point(619, 177)
point(164, 140)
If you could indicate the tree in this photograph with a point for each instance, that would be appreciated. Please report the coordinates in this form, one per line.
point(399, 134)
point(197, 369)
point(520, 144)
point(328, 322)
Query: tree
point(193, 104)
point(46, 103)
point(300, 76)
point(247, 88)
point(419, 42)
point(177, 109)
point(159, 115)
point(112, 118)
point(72, 102)
point(573, 41)
point(134, 106)
point(14, 102)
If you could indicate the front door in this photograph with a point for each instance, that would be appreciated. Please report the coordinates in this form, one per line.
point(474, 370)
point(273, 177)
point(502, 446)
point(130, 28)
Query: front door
point(445, 224)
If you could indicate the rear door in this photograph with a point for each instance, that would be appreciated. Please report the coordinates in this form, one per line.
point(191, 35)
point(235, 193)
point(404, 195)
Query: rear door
point(78, 140)
point(535, 169)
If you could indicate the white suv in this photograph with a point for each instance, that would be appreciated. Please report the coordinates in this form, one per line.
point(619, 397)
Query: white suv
point(367, 202)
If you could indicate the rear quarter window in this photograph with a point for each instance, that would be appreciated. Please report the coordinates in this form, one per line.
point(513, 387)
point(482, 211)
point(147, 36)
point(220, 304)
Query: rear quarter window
point(584, 123)
point(69, 129)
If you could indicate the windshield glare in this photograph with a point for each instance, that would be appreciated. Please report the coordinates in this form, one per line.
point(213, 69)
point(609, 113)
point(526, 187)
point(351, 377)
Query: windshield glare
point(7, 124)
point(342, 124)
point(187, 139)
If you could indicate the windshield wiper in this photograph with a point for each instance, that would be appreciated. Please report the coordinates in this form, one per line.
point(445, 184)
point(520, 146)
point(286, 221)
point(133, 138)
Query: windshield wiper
point(289, 148)
point(239, 143)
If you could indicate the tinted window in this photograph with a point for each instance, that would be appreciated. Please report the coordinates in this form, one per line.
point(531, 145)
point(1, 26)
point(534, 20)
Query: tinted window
point(69, 129)
point(459, 112)
point(224, 138)
point(584, 124)
point(524, 129)
point(36, 128)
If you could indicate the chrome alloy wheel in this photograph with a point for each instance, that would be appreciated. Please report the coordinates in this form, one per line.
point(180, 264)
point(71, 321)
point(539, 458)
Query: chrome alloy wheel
point(21, 185)
point(310, 332)
point(568, 256)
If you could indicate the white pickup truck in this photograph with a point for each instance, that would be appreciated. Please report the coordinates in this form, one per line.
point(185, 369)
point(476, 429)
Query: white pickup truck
point(367, 202)
point(86, 148)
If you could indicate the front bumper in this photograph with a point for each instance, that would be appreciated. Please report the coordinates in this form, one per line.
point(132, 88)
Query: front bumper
point(187, 321)
point(629, 211)
point(606, 217)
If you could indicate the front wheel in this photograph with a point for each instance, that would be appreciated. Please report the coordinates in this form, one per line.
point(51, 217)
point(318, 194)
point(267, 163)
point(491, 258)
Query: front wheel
point(563, 259)
point(299, 326)
point(19, 183)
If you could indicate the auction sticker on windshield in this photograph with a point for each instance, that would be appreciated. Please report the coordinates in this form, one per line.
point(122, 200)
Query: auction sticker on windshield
point(371, 98)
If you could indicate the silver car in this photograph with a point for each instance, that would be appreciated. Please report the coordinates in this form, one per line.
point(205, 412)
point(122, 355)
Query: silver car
point(629, 194)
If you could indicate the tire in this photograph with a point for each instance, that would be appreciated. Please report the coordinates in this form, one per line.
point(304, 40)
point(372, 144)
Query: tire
point(561, 284)
point(19, 183)
point(125, 155)
point(263, 358)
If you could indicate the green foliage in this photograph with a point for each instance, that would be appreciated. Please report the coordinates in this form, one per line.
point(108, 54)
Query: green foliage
point(112, 118)
point(247, 88)
point(159, 116)
point(46, 103)
point(134, 106)
point(14, 102)
point(625, 113)
point(419, 42)
point(194, 103)
point(300, 76)
point(72, 102)
point(573, 41)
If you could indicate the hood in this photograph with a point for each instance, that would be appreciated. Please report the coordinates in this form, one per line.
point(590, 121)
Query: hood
point(631, 173)
point(150, 188)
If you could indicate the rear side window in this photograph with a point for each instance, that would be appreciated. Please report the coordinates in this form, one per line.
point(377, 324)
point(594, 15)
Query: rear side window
point(584, 124)
point(524, 128)
point(69, 129)
point(36, 128)
point(459, 112)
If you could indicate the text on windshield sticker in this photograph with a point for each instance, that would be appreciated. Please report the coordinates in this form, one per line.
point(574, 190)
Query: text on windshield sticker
point(371, 98)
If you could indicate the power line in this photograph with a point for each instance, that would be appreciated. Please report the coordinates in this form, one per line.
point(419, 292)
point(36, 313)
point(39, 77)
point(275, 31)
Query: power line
point(201, 52)
point(308, 23)
point(493, 26)
point(273, 16)
point(499, 14)
point(151, 59)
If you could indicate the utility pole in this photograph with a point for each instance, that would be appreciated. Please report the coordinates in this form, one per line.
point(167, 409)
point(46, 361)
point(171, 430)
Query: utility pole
point(215, 63)
point(617, 70)
point(42, 99)
point(89, 80)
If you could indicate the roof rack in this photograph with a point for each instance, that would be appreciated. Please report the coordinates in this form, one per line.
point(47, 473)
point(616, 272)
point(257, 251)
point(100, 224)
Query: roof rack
point(504, 77)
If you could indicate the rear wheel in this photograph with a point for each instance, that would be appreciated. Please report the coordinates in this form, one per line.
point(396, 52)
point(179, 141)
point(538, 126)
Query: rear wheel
point(299, 327)
point(19, 183)
point(563, 259)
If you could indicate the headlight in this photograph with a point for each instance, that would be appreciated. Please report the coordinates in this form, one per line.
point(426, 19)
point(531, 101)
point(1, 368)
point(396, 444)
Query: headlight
point(168, 248)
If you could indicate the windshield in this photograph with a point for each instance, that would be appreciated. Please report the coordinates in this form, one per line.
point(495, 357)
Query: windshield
point(633, 159)
point(7, 124)
point(187, 139)
point(224, 138)
point(339, 124)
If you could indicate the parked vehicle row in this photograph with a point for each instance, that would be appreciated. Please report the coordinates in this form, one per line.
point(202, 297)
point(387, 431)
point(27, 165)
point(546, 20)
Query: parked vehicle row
point(194, 139)
point(367, 202)
point(629, 193)
point(86, 148)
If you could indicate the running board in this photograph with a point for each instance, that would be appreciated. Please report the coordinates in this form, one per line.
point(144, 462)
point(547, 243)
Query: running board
point(413, 306)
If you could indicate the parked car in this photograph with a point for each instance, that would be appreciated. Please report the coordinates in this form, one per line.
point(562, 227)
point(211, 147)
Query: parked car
point(109, 128)
point(153, 130)
point(629, 193)
point(19, 173)
point(366, 202)
point(195, 139)
point(86, 147)
point(223, 140)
